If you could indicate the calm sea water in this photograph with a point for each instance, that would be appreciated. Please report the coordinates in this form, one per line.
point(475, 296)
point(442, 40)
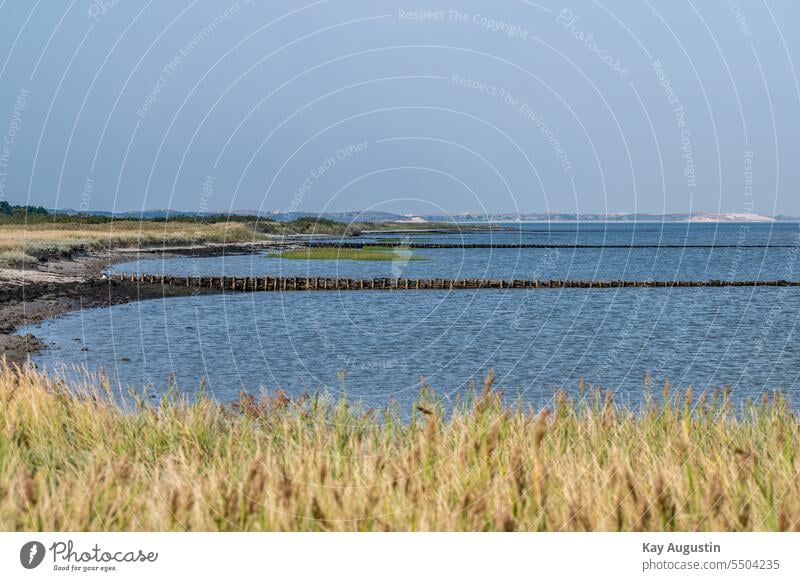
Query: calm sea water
point(375, 346)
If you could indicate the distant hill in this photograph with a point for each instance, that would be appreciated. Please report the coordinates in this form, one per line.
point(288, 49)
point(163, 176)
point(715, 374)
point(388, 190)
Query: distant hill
point(378, 217)
point(637, 217)
point(348, 217)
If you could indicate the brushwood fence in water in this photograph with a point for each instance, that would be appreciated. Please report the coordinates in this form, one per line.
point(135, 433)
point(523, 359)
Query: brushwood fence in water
point(416, 245)
point(294, 283)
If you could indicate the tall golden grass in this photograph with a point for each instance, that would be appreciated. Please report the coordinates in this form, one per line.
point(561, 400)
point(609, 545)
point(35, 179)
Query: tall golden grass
point(20, 244)
point(77, 461)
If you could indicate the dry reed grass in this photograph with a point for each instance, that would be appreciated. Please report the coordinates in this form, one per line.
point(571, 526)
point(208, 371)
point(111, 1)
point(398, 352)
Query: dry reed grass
point(20, 244)
point(79, 462)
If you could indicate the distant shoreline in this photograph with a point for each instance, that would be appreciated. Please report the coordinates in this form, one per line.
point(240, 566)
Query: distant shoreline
point(476, 222)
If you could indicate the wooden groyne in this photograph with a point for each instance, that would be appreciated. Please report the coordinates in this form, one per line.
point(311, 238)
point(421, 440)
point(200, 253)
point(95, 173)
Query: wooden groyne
point(415, 245)
point(295, 283)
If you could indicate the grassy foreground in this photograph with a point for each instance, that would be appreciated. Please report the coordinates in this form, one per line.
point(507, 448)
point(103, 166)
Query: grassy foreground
point(80, 463)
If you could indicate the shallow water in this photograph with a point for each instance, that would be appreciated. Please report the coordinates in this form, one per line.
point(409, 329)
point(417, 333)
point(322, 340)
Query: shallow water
point(375, 346)
point(745, 262)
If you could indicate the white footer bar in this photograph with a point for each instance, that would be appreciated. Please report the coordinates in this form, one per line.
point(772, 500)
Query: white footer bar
point(400, 556)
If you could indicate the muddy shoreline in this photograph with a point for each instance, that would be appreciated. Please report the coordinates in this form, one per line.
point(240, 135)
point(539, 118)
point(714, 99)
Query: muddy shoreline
point(73, 283)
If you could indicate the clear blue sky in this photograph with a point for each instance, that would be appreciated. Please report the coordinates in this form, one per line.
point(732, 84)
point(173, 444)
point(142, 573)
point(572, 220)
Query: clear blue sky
point(427, 107)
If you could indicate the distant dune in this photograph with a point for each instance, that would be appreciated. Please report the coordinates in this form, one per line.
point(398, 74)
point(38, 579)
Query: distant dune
point(729, 217)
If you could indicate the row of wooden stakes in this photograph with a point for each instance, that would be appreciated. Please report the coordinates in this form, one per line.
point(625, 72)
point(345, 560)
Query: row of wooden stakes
point(415, 245)
point(294, 283)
